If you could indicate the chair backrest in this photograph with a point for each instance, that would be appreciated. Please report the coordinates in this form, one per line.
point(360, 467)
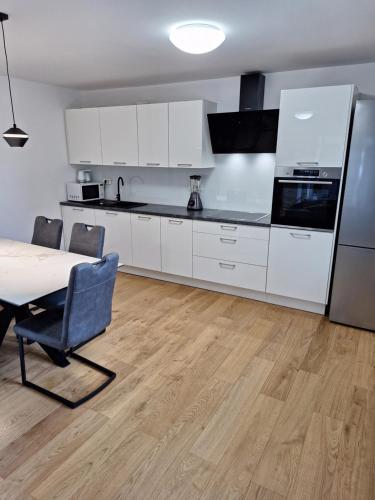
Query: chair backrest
point(87, 240)
point(88, 304)
point(47, 232)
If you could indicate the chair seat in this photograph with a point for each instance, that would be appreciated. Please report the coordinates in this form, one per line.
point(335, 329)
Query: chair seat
point(45, 328)
point(52, 300)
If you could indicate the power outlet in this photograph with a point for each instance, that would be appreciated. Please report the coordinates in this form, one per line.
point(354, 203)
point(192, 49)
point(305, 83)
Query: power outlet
point(107, 182)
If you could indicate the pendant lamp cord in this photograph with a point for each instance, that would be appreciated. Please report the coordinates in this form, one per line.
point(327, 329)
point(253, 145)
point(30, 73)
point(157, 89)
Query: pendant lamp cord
point(7, 66)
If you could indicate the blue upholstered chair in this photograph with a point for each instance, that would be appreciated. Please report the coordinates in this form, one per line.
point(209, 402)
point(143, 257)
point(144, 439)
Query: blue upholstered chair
point(87, 312)
point(85, 240)
point(47, 232)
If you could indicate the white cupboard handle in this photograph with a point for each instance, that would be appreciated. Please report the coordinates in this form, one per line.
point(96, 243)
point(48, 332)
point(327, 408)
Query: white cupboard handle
point(227, 266)
point(78, 209)
point(111, 213)
point(119, 163)
point(151, 164)
point(171, 221)
point(229, 228)
point(307, 162)
point(300, 236)
point(184, 164)
point(142, 217)
point(84, 161)
point(228, 240)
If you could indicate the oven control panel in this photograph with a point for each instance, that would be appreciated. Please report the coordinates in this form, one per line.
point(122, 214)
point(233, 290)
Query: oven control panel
point(309, 173)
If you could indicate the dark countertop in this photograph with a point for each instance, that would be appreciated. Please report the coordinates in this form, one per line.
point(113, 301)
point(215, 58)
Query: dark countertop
point(207, 214)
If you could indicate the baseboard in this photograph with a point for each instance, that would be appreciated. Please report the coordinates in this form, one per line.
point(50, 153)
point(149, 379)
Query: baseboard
point(227, 289)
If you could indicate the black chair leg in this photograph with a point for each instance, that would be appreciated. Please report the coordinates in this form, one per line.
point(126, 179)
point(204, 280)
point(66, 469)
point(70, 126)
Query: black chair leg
point(71, 404)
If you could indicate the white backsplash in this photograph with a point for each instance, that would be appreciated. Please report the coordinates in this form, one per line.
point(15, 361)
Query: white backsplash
point(241, 182)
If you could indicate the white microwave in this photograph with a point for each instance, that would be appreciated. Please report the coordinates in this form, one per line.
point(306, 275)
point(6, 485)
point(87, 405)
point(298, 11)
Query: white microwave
point(86, 191)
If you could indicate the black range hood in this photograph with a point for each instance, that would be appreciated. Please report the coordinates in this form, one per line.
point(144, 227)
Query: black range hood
point(250, 130)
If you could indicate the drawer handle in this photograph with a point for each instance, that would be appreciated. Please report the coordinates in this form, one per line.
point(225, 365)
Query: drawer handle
point(111, 213)
point(78, 209)
point(119, 163)
point(178, 222)
point(307, 162)
point(224, 265)
point(151, 164)
point(228, 240)
point(300, 236)
point(229, 228)
point(143, 217)
point(184, 164)
point(84, 161)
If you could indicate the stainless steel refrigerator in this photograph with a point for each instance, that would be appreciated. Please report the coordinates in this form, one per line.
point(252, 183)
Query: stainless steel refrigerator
point(353, 290)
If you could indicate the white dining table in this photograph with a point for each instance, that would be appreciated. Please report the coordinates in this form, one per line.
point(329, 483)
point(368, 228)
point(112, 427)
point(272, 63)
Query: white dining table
point(28, 272)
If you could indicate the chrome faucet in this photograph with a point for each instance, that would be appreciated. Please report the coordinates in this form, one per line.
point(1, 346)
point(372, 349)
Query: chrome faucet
point(118, 195)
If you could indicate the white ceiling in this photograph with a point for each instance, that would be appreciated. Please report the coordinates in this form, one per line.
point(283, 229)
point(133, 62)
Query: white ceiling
point(91, 44)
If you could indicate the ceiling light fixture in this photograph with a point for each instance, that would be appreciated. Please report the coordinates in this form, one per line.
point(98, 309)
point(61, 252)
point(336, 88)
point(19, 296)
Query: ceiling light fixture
point(14, 136)
point(197, 38)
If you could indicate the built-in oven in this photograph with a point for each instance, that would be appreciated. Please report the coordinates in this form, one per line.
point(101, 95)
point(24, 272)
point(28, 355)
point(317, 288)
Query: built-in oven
point(305, 198)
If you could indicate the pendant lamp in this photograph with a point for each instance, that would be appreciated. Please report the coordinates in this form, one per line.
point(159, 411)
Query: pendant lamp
point(14, 136)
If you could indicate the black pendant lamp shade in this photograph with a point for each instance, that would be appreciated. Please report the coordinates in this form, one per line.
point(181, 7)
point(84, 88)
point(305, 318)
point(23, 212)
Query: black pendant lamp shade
point(14, 136)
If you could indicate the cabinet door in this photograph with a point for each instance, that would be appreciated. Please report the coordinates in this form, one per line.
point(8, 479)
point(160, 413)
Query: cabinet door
point(118, 125)
point(185, 134)
point(313, 126)
point(177, 246)
point(153, 135)
point(299, 264)
point(117, 233)
point(146, 241)
point(83, 136)
point(72, 215)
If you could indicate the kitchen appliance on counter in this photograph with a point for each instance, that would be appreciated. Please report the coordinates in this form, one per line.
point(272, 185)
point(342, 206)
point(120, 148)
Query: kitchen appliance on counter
point(305, 197)
point(195, 202)
point(88, 191)
point(353, 288)
point(84, 176)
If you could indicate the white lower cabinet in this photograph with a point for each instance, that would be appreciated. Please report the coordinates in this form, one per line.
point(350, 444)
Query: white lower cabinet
point(230, 273)
point(71, 215)
point(176, 246)
point(299, 264)
point(146, 241)
point(117, 233)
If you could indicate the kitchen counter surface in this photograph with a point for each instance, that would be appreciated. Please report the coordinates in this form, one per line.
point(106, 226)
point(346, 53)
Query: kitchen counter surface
point(207, 214)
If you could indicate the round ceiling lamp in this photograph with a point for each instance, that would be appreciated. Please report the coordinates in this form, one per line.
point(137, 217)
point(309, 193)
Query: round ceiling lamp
point(14, 136)
point(197, 38)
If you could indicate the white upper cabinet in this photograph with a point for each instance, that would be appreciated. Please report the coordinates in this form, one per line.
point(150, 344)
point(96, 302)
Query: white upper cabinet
point(153, 134)
point(118, 125)
point(313, 126)
point(83, 136)
point(189, 140)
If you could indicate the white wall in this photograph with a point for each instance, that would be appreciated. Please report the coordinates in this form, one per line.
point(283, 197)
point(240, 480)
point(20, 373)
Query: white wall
point(33, 177)
point(239, 182)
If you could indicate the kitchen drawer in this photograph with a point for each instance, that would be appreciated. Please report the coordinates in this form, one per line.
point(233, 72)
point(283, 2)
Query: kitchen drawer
point(231, 247)
point(230, 273)
point(223, 228)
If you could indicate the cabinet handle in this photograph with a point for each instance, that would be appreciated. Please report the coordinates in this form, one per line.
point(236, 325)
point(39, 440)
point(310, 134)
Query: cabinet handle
point(300, 236)
point(78, 209)
point(178, 222)
point(111, 213)
point(228, 240)
point(224, 265)
point(150, 164)
point(142, 217)
point(229, 228)
point(84, 161)
point(119, 163)
point(307, 162)
point(184, 164)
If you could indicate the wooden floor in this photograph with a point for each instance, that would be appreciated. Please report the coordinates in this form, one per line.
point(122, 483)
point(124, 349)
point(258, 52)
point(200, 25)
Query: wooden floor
point(217, 397)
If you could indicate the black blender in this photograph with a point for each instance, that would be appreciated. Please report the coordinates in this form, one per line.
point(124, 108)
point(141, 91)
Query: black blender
point(195, 202)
